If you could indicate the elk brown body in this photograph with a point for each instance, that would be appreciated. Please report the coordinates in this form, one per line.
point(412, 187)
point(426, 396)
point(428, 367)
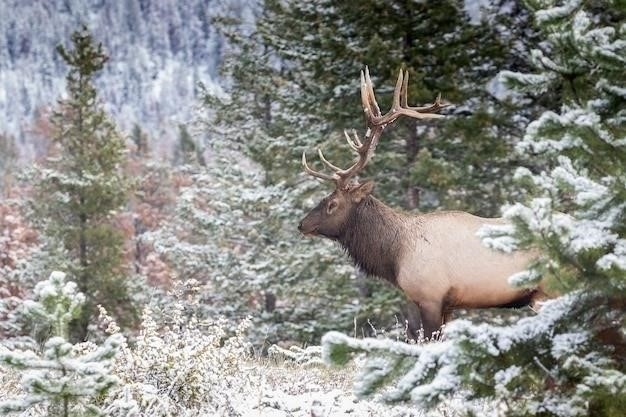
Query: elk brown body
point(437, 259)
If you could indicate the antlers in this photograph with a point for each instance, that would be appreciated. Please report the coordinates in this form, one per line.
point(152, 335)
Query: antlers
point(376, 123)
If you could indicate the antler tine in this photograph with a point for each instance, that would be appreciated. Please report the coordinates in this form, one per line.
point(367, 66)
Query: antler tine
point(314, 173)
point(370, 105)
point(435, 106)
point(368, 99)
point(397, 92)
point(405, 89)
point(400, 106)
point(327, 162)
point(376, 123)
point(355, 143)
point(365, 100)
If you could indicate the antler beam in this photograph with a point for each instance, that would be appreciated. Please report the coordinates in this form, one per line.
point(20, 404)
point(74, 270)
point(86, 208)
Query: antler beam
point(375, 124)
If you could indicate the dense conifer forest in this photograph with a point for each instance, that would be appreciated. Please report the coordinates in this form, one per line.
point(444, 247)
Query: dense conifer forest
point(151, 188)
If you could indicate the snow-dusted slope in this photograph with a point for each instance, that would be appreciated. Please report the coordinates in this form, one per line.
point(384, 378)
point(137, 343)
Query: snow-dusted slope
point(159, 49)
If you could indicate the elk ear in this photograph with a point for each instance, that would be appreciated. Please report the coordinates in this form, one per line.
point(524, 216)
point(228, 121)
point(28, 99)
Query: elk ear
point(361, 191)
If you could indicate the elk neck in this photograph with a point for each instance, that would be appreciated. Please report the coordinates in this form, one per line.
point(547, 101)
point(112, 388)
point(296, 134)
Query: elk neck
point(374, 236)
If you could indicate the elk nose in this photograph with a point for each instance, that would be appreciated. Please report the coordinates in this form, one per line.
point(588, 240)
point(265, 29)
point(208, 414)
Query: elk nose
point(300, 226)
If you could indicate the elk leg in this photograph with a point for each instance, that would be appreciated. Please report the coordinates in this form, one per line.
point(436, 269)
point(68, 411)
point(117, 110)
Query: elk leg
point(413, 320)
point(432, 318)
point(537, 299)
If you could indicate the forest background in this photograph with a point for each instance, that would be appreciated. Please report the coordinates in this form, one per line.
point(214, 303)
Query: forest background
point(160, 171)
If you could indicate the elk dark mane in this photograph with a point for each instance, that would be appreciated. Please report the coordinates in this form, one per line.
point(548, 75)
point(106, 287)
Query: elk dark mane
point(373, 237)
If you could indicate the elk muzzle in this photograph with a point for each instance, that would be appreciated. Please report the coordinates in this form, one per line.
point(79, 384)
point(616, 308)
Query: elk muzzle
point(309, 225)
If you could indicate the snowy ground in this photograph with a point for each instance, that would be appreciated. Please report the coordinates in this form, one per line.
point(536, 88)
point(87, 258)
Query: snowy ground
point(293, 390)
point(179, 366)
point(287, 389)
point(279, 388)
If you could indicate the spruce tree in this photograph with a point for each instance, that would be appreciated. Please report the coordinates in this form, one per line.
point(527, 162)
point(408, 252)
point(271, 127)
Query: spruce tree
point(8, 160)
point(66, 379)
point(323, 44)
point(569, 359)
point(188, 150)
point(273, 135)
point(140, 140)
point(82, 185)
point(296, 75)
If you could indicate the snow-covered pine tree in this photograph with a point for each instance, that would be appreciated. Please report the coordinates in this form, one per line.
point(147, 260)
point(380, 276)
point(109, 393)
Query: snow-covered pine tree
point(319, 46)
point(569, 359)
point(81, 186)
point(296, 74)
point(236, 237)
point(61, 379)
point(271, 136)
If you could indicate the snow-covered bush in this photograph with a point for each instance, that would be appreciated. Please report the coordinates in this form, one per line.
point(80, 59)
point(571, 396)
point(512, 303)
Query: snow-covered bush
point(60, 379)
point(520, 367)
point(180, 364)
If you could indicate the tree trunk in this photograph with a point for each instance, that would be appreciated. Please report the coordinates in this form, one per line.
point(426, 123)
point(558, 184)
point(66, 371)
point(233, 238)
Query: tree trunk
point(78, 327)
point(411, 149)
point(270, 301)
point(412, 315)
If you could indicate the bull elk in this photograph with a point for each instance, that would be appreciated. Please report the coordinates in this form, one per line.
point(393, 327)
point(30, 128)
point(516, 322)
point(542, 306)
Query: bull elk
point(437, 259)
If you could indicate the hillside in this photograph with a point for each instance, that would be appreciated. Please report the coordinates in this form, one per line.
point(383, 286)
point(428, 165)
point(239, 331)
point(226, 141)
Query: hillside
point(159, 52)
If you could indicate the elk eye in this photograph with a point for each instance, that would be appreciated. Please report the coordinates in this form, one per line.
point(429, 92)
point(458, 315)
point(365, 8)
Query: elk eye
point(332, 206)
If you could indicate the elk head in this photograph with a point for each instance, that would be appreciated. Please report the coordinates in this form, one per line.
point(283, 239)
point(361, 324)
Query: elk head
point(329, 217)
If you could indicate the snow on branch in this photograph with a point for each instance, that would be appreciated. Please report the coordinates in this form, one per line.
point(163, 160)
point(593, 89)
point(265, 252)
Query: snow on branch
point(62, 373)
point(429, 373)
point(557, 13)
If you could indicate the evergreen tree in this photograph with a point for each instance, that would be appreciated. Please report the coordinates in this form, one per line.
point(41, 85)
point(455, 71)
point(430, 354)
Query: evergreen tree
point(140, 139)
point(8, 159)
point(82, 185)
point(235, 236)
point(65, 378)
point(188, 150)
point(297, 77)
point(569, 359)
point(274, 135)
point(320, 47)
